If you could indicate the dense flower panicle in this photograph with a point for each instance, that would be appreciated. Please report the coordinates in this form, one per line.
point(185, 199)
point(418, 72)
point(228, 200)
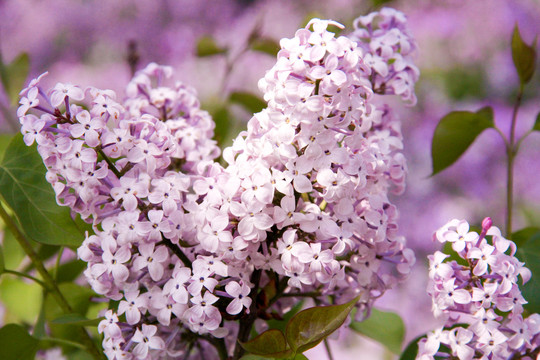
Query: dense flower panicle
point(388, 49)
point(479, 297)
point(183, 243)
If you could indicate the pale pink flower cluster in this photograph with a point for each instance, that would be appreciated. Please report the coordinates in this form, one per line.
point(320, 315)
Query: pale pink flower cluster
point(184, 244)
point(479, 298)
point(388, 50)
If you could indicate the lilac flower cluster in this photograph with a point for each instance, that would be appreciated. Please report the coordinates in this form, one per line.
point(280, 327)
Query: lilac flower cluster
point(184, 244)
point(479, 300)
point(389, 47)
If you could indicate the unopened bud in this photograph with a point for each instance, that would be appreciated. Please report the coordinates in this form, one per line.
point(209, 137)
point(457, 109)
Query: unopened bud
point(486, 224)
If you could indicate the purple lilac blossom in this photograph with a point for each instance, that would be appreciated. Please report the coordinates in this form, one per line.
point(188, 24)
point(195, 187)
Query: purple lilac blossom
point(177, 234)
point(479, 298)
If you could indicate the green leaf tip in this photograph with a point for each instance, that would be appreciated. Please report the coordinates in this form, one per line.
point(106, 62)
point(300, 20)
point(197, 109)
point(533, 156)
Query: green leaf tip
point(524, 56)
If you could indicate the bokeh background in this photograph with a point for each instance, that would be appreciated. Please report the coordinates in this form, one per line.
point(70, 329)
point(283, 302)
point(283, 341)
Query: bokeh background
point(465, 62)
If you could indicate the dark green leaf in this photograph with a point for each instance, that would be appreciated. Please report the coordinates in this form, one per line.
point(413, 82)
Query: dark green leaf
point(520, 237)
point(21, 299)
point(16, 343)
point(524, 57)
point(455, 133)
point(271, 343)
point(265, 45)
point(384, 327)
point(250, 102)
point(24, 188)
point(14, 75)
point(69, 271)
point(536, 126)
point(207, 46)
point(309, 327)
point(76, 319)
point(411, 350)
point(529, 253)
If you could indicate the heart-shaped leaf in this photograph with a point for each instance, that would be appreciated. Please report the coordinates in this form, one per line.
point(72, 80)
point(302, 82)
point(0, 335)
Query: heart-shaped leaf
point(309, 327)
point(383, 326)
point(455, 133)
point(24, 188)
point(16, 343)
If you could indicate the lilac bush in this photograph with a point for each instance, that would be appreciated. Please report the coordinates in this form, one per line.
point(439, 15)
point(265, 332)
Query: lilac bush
point(186, 245)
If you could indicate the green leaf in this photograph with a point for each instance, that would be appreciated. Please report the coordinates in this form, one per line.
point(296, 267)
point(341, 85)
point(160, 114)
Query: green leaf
point(524, 57)
point(5, 139)
point(16, 343)
point(282, 324)
point(207, 46)
point(250, 102)
point(520, 237)
point(265, 45)
point(70, 271)
point(24, 188)
point(385, 327)
point(39, 327)
point(536, 126)
point(411, 350)
point(529, 253)
point(21, 299)
point(76, 319)
point(13, 253)
point(309, 327)
point(271, 343)
point(78, 298)
point(253, 357)
point(14, 75)
point(2, 264)
point(455, 133)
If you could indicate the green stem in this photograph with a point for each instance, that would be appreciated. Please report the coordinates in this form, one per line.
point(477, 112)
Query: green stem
point(109, 162)
point(327, 347)
point(48, 281)
point(57, 264)
point(16, 273)
point(510, 153)
point(63, 342)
